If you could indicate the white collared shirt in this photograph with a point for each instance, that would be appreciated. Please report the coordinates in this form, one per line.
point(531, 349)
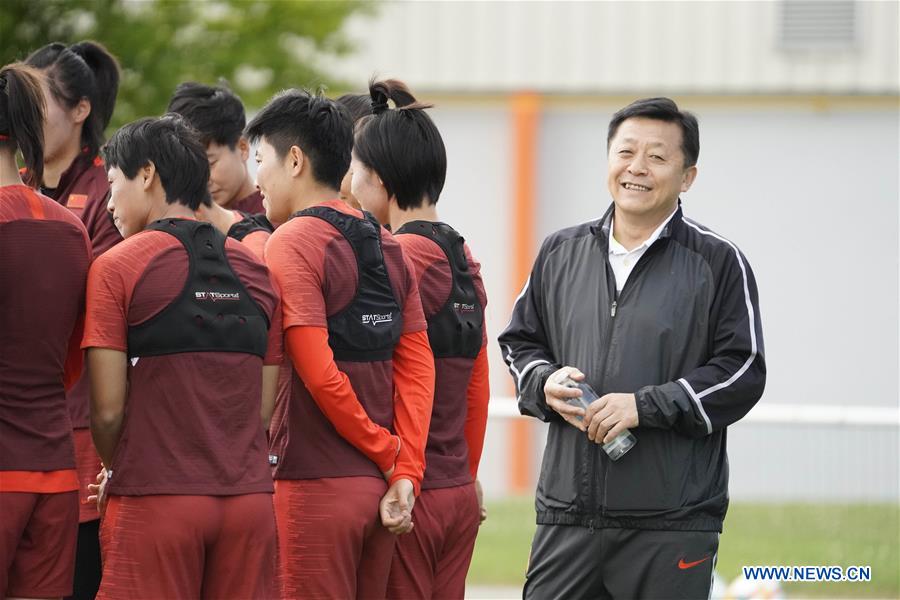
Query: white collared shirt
point(621, 260)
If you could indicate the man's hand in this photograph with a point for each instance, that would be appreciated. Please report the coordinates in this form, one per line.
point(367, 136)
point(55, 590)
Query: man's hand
point(396, 507)
point(98, 491)
point(482, 511)
point(610, 415)
point(556, 395)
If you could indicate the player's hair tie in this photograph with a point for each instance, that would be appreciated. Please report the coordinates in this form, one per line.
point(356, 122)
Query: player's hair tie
point(379, 106)
point(3, 138)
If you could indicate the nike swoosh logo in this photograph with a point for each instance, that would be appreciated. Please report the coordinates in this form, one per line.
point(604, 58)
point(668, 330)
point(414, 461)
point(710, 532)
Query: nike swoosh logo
point(688, 565)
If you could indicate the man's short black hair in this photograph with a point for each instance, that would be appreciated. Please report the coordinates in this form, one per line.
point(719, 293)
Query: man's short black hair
point(173, 148)
point(662, 109)
point(214, 111)
point(317, 125)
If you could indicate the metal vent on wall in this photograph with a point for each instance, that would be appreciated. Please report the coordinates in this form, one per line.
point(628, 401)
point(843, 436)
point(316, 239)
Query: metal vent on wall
point(818, 24)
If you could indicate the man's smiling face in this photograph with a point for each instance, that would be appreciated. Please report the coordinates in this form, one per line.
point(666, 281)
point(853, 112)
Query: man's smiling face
point(646, 168)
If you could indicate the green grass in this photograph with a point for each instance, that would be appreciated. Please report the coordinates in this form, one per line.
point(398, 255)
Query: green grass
point(755, 534)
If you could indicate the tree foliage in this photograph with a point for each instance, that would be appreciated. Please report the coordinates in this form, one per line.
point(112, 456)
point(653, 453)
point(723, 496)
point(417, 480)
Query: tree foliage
point(259, 46)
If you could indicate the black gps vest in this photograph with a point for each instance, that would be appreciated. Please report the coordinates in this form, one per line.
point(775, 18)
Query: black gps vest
point(369, 328)
point(214, 311)
point(456, 329)
point(248, 225)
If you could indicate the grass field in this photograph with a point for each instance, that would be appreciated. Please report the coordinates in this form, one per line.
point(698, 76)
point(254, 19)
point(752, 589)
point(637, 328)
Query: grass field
point(755, 534)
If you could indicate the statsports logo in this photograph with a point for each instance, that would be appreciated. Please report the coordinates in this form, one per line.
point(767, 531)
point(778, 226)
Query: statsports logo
point(462, 307)
point(217, 296)
point(376, 319)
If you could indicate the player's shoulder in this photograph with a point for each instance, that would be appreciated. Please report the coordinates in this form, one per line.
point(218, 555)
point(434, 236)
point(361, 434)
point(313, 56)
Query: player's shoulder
point(141, 247)
point(239, 251)
point(20, 201)
point(301, 228)
point(417, 246)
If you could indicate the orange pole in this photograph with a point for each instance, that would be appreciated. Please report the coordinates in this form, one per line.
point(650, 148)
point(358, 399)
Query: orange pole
point(525, 109)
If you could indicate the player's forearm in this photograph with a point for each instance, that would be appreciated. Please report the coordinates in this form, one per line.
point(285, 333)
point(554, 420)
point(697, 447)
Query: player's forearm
point(477, 396)
point(334, 395)
point(109, 376)
point(414, 383)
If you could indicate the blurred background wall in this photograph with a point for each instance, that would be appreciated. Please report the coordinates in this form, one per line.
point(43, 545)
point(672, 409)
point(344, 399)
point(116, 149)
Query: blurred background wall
point(798, 105)
point(798, 109)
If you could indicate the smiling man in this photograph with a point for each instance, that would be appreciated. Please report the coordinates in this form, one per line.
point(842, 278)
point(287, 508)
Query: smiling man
point(660, 316)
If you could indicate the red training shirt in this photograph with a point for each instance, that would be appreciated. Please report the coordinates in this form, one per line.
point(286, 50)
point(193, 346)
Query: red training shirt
point(45, 257)
point(192, 421)
point(462, 386)
point(338, 418)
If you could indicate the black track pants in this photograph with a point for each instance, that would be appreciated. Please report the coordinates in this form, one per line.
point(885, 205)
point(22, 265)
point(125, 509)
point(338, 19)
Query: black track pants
point(571, 562)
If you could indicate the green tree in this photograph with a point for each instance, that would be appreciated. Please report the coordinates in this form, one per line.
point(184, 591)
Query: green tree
point(259, 46)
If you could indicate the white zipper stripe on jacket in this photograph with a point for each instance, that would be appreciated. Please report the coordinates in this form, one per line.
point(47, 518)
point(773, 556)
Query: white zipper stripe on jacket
point(508, 358)
point(687, 387)
point(753, 350)
point(521, 375)
point(516, 301)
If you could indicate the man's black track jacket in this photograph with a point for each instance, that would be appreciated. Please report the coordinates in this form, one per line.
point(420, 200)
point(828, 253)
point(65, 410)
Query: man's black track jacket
point(685, 338)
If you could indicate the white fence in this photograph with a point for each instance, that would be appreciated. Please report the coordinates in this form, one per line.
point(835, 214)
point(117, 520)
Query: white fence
point(778, 452)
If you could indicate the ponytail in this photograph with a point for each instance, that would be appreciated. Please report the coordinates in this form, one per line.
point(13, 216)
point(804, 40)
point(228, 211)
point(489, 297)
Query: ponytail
point(106, 80)
point(391, 89)
point(83, 70)
point(403, 146)
point(22, 117)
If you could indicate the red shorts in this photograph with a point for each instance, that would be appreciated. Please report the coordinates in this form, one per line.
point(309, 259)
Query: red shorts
point(331, 543)
point(88, 465)
point(37, 544)
point(188, 547)
point(433, 559)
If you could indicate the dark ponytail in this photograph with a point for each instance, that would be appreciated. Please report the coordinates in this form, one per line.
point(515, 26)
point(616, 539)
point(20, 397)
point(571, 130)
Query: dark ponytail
point(402, 145)
point(83, 70)
point(22, 117)
point(396, 91)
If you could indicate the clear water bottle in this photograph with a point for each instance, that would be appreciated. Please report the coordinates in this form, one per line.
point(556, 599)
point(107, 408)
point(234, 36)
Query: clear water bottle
point(623, 442)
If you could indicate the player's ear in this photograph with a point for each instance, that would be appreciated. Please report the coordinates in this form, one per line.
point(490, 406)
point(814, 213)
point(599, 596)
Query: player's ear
point(296, 161)
point(243, 147)
point(147, 174)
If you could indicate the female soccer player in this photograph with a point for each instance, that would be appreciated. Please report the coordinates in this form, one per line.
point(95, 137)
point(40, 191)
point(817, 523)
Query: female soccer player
point(80, 84)
point(348, 433)
point(399, 165)
point(45, 257)
point(180, 323)
point(358, 106)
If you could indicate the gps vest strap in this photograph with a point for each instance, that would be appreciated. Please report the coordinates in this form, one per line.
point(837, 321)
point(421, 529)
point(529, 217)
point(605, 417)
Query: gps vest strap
point(214, 311)
point(456, 329)
point(369, 328)
point(248, 225)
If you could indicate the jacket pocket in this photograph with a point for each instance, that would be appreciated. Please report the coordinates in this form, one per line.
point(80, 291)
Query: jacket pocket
point(652, 475)
point(561, 470)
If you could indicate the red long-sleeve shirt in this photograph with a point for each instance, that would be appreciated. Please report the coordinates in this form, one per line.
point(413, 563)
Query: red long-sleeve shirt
point(338, 418)
point(462, 389)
